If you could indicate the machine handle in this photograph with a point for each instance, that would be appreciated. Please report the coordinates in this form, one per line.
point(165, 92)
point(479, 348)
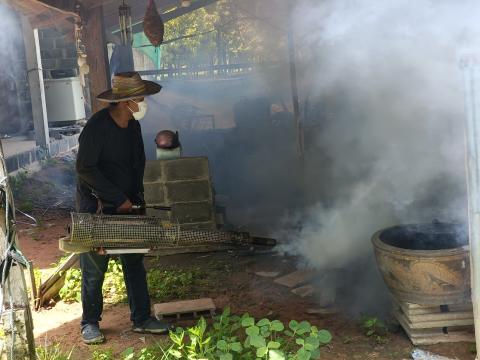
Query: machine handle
point(262, 241)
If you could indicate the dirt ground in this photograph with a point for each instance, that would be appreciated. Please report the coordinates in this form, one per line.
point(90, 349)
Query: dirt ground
point(231, 282)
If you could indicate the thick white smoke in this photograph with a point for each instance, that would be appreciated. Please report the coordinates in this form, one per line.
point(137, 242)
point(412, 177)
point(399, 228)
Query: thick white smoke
point(391, 148)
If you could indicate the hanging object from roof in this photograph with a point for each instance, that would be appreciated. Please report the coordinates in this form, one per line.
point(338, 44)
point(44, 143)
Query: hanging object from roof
point(153, 25)
point(125, 22)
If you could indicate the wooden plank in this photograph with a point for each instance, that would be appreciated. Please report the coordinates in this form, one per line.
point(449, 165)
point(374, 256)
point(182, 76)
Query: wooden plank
point(414, 309)
point(43, 13)
point(448, 316)
point(433, 323)
point(411, 306)
point(36, 85)
point(50, 288)
point(184, 307)
point(32, 281)
point(436, 336)
point(97, 56)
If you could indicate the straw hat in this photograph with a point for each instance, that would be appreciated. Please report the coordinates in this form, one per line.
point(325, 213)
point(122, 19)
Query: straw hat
point(127, 86)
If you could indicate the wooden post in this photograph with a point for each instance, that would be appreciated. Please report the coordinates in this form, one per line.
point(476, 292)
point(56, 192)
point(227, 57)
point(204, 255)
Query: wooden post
point(97, 55)
point(471, 69)
point(35, 80)
point(293, 80)
point(16, 321)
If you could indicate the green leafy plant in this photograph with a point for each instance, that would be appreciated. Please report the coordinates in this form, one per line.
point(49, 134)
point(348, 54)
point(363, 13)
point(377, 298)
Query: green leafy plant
point(114, 290)
point(233, 337)
point(374, 328)
point(148, 353)
point(103, 355)
point(18, 181)
point(70, 292)
point(177, 284)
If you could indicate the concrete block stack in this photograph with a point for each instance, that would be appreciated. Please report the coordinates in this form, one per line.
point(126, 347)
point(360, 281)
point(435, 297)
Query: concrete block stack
point(185, 185)
point(58, 52)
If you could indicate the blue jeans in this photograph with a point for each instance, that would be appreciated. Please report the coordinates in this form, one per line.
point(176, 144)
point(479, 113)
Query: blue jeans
point(93, 268)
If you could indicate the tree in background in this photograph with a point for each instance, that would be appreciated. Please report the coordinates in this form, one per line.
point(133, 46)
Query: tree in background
point(229, 31)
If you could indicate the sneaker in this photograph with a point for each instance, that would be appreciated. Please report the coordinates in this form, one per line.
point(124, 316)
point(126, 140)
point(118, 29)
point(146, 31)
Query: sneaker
point(153, 326)
point(91, 334)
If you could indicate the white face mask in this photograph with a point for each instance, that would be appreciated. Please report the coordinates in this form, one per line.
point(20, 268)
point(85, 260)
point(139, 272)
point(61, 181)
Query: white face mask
point(142, 110)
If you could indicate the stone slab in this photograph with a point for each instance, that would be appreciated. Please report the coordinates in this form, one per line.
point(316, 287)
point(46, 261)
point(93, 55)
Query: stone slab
point(267, 274)
point(295, 278)
point(304, 291)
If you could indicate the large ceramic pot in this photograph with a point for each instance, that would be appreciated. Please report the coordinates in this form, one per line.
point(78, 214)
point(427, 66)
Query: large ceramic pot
point(425, 264)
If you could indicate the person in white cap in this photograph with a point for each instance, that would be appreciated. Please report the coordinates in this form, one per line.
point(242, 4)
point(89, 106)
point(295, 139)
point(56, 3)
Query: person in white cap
point(110, 166)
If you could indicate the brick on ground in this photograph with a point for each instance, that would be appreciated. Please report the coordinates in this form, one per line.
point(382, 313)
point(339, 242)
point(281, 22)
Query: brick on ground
point(177, 308)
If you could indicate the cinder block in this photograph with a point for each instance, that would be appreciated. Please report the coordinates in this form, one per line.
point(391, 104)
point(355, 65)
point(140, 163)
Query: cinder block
point(153, 171)
point(161, 214)
point(24, 159)
point(154, 193)
point(192, 212)
point(60, 42)
point(188, 168)
point(52, 53)
point(47, 44)
point(187, 191)
point(50, 33)
point(11, 163)
point(67, 63)
point(48, 64)
point(69, 52)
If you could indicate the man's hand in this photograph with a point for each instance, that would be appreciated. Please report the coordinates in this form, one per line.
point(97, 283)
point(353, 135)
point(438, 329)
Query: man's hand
point(125, 208)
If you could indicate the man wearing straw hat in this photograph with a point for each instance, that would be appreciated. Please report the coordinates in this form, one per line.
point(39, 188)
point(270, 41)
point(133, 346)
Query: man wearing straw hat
point(110, 166)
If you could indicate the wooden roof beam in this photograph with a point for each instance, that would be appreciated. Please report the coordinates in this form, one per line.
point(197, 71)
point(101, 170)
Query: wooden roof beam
point(67, 6)
point(42, 15)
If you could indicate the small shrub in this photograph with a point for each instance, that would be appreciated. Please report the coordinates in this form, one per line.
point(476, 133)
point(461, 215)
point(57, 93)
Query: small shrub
point(374, 328)
point(103, 355)
point(52, 352)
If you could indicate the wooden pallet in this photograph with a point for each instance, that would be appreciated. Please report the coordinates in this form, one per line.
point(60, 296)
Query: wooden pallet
point(186, 309)
point(428, 325)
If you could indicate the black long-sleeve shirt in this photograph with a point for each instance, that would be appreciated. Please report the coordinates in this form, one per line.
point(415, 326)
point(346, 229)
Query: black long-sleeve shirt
point(110, 162)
